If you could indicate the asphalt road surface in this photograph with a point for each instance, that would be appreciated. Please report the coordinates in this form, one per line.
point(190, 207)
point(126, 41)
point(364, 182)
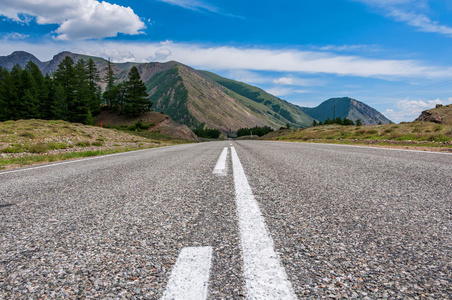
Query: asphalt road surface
point(259, 220)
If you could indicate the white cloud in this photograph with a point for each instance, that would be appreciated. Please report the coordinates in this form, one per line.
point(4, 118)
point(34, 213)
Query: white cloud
point(192, 5)
point(411, 12)
point(280, 91)
point(422, 22)
point(348, 48)
point(160, 55)
point(284, 81)
point(15, 36)
point(118, 56)
point(409, 110)
point(244, 60)
point(284, 91)
point(77, 19)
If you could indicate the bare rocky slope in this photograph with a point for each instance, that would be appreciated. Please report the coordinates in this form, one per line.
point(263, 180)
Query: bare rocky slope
point(442, 114)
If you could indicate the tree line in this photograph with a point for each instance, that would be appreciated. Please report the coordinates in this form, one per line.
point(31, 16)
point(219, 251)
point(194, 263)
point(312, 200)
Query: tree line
point(72, 93)
point(338, 121)
point(256, 130)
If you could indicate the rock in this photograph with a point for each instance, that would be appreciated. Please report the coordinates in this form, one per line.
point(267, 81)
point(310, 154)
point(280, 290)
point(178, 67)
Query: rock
point(427, 116)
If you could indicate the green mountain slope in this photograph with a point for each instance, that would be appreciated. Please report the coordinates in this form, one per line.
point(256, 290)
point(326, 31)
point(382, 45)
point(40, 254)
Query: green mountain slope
point(195, 100)
point(346, 108)
point(283, 111)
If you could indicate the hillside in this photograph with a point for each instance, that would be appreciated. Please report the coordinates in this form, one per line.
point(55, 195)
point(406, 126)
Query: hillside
point(35, 141)
point(423, 136)
point(190, 97)
point(442, 114)
point(346, 108)
point(201, 98)
point(283, 111)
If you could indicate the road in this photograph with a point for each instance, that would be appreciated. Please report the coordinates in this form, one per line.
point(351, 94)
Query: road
point(329, 222)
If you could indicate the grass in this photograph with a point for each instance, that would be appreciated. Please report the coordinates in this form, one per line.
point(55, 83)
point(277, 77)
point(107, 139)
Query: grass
point(411, 134)
point(25, 142)
point(37, 159)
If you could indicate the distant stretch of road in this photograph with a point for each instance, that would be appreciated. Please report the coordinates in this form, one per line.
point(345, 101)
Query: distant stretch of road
point(230, 220)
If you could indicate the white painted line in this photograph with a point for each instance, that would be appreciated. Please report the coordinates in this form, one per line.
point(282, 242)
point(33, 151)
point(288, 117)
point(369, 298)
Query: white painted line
point(265, 277)
point(190, 275)
point(71, 161)
point(220, 167)
point(367, 147)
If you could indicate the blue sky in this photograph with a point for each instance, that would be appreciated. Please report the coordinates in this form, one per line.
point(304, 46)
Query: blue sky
point(395, 55)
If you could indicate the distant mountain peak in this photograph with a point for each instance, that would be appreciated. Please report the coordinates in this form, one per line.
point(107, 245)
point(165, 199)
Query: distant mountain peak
point(346, 107)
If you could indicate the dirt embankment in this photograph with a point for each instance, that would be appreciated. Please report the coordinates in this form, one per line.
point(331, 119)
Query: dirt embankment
point(160, 123)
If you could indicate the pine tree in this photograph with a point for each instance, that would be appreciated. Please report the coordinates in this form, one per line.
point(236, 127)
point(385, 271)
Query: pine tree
point(40, 93)
point(136, 98)
point(59, 106)
point(82, 93)
point(94, 89)
point(5, 80)
point(109, 78)
point(64, 76)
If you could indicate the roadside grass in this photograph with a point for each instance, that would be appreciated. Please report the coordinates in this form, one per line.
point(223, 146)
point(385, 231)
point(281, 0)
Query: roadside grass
point(25, 142)
point(410, 134)
point(39, 159)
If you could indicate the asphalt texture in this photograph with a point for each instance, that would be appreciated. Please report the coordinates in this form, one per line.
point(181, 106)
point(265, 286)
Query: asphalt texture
point(347, 222)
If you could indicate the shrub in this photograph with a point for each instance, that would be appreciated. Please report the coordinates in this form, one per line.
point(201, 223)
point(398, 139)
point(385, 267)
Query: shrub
point(27, 134)
point(139, 126)
point(37, 148)
point(83, 144)
point(207, 133)
point(56, 146)
point(440, 138)
point(12, 149)
point(259, 131)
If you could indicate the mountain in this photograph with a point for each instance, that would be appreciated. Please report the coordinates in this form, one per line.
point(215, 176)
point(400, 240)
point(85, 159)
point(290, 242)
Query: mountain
point(20, 58)
point(191, 97)
point(346, 107)
point(274, 107)
point(200, 98)
point(442, 114)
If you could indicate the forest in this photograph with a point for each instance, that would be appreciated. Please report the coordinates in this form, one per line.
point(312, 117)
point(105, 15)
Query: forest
point(72, 93)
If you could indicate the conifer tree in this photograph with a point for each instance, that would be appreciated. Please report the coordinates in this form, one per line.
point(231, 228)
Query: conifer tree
point(136, 99)
point(5, 83)
point(41, 93)
point(59, 105)
point(109, 78)
point(94, 89)
point(82, 93)
point(64, 76)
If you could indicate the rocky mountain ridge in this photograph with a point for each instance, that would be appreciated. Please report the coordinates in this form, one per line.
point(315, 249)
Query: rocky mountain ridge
point(204, 99)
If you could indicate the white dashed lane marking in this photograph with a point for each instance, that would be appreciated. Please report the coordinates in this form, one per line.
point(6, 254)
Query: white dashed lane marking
point(190, 275)
point(220, 167)
point(264, 275)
